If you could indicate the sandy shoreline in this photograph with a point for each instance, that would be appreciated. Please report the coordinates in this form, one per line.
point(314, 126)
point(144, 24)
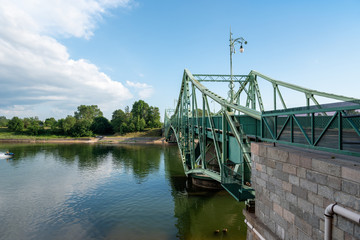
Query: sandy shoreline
point(107, 140)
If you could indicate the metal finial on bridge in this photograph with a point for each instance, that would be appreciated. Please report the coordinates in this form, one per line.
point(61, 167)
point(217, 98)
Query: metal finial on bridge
point(241, 41)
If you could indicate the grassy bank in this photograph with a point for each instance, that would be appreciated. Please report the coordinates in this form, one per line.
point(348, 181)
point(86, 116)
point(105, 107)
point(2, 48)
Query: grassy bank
point(155, 132)
point(5, 133)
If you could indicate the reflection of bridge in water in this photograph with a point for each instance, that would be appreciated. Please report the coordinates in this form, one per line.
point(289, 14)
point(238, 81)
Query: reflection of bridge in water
point(226, 158)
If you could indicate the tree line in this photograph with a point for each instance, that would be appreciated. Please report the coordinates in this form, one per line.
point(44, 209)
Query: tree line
point(88, 120)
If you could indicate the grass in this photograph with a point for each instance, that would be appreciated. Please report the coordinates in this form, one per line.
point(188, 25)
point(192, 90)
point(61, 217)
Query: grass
point(155, 132)
point(5, 133)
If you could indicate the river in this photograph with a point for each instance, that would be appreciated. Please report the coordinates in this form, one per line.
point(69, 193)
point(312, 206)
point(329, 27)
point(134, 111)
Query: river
point(84, 191)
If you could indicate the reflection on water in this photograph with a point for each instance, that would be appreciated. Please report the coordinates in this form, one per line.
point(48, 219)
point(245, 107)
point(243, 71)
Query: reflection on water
point(82, 191)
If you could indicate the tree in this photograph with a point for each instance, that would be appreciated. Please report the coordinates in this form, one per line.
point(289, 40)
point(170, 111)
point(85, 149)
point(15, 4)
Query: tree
point(49, 122)
point(131, 127)
point(3, 121)
point(154, 117)
point(67, 124)
point(140, 109)
point(88, 113)
point(101, 125)
point(117, 120)
point(35, 125)
point(26, 122)
point(16, 124)
point(142, 124)
point(81, 129)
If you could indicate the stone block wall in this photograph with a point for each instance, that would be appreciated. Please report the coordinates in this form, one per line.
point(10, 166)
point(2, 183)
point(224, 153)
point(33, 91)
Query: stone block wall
point(293, 187)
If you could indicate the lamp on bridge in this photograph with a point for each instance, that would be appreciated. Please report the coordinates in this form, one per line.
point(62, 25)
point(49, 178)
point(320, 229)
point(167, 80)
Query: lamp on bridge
point(233, 42)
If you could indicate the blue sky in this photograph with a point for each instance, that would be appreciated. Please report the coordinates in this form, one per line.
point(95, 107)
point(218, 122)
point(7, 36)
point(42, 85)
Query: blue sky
point(56, 55)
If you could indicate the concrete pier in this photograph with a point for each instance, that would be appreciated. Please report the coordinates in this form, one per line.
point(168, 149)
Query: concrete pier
point(294, 186)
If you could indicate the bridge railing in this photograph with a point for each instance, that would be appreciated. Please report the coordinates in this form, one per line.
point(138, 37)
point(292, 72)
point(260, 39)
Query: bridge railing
point(330, 127)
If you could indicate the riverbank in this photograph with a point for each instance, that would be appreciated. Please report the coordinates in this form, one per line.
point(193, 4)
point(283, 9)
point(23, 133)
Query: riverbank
point(103, 140)
point(150, 136)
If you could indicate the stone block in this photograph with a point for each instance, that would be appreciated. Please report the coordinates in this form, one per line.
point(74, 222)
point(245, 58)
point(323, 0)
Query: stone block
point(319, 211)
point(291, 232)
point(280, 232)
point(279, 166)
point(326, 167)
point(303, 236)
point(345, 225)
point(310, 186)
point(317, 234)
point(277, 154)
point(294, 180)
point(305, 205)
point(297, 211)
point(337, 233)
point(305, 162)
point(301, 172)
point(350, 187)
point(262, 150)
point(288, 216)
point(270, 171)
point(280, 192)
point(270, 186)
point(325, 191)
point(352, 174)
point(270, 163)
point(270, 224)
point(289, 168)
point(357, 230)
point(312, 220)
point(316, 177)
point(281, 175)
point(278, 209)
point(286, 186)
point(304, 226)
point(261, 182)
point(299, 192)
point(291, 198)
point(278, 219)
point(259, 167)
point(294, 158)
point(274, 198)
point(315, 199)
point(254, 148)
point(255, 158)
point(264, 176)
point(276, 181)
point(334, 182)
point(349, 237)
point(345, 199)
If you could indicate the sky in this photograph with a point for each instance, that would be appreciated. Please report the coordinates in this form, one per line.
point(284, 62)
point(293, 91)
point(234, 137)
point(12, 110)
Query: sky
point(58, 54)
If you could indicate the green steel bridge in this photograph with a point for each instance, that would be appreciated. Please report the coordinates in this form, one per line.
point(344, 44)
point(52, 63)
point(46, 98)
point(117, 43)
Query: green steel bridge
point(216, 144)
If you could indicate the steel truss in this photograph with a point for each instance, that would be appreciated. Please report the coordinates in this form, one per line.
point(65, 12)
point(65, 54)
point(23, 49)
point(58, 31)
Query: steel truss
point(218, 145)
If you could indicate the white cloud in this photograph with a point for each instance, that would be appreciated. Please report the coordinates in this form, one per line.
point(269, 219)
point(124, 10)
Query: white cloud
point(144, 90)
point(37, 72)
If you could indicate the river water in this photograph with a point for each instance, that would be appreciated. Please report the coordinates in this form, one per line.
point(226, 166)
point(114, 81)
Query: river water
point(83, 191)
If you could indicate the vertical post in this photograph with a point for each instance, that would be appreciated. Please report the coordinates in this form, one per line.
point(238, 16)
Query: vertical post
point(340, 130)
point(253, 96)
point(203, 144)
point(192, 128)
point(291, 128)
point(312, 128)
point(274, 85)
point(275, 127)
point(224, 140)
point(231, 74)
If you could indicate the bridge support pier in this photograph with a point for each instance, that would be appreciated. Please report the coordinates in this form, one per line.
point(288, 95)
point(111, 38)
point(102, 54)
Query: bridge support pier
point(293, 187)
